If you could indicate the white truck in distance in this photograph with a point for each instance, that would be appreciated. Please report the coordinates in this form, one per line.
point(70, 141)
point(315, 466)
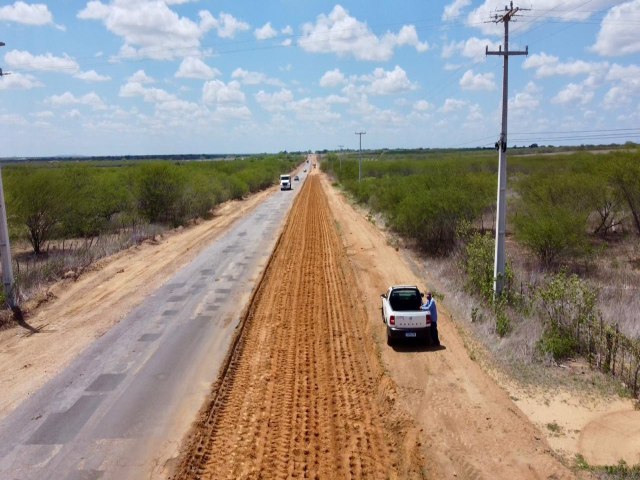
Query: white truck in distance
point(402, 315)
point(285, 182)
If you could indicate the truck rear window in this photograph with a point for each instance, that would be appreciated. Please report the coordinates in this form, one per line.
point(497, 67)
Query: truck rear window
point(405, 300)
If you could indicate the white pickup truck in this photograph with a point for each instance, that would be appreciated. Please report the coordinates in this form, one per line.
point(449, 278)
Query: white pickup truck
point(402, 315)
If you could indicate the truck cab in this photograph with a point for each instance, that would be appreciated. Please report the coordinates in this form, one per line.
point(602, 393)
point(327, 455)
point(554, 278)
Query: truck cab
point(285, 182)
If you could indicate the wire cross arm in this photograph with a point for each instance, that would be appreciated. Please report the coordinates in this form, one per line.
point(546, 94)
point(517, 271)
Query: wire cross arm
point(504, 52)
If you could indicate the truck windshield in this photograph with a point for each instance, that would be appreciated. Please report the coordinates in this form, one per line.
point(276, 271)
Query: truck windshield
point(404, 300)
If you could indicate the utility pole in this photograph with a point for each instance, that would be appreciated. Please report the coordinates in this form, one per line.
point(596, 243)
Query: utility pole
point(501, 145)
point(360, 155)
point(5, 251)
point(340, 147)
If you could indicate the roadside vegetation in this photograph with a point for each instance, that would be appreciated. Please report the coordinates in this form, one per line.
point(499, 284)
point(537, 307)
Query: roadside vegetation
point(573, 245)
point(63, 216)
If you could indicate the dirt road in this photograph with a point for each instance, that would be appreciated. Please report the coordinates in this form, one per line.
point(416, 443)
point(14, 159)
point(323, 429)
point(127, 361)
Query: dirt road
point(303, 396)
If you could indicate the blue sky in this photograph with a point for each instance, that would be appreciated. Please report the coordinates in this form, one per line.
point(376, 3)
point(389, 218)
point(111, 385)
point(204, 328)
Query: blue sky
point(111, 77)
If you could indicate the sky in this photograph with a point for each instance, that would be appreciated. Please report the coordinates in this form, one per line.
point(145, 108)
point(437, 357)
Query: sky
point(146, 77)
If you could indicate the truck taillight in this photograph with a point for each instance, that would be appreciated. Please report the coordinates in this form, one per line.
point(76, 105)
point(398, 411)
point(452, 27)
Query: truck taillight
point(392, 320)
point(428, 319)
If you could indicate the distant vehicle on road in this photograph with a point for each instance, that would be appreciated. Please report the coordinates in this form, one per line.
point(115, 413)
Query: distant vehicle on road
point(296, 178)
point(402, 315)
point(285, 182)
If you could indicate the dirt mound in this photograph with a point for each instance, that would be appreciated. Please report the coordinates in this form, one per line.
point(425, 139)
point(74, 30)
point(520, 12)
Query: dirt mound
point(303, 396)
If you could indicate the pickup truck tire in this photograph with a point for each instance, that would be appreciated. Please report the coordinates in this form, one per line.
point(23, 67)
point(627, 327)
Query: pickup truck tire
point(390, 340)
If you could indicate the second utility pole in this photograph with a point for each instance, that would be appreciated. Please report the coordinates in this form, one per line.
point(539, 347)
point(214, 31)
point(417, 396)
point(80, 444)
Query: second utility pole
point(501, 145)
point(360, 155)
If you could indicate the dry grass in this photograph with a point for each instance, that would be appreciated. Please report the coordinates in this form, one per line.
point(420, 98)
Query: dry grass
point(34, 273)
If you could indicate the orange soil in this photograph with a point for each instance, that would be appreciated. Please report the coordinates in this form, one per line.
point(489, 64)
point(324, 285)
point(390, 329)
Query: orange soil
point(302, 396)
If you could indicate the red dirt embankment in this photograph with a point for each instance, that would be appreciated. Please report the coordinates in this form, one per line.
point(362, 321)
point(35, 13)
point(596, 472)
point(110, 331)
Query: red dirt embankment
point(303, 396)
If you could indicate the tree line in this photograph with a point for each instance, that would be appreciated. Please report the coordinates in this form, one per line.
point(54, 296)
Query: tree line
point(67, 200)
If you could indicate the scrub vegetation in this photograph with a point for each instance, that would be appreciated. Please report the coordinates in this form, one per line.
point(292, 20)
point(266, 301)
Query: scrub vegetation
point(573, 244)
point(68, 214)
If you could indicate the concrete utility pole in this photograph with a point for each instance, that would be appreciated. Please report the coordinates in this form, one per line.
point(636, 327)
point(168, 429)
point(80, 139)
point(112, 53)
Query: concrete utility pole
point(501, 145)
point(360, 155)
point(340, 156)
point(5, 249)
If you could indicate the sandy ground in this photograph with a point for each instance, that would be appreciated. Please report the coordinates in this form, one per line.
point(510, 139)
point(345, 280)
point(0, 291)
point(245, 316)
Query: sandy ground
point(470, 426)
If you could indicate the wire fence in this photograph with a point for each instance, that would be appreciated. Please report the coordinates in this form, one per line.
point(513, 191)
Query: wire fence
point(610, 351)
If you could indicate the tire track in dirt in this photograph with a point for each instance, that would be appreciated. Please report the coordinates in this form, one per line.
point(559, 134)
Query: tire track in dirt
point(303, 396)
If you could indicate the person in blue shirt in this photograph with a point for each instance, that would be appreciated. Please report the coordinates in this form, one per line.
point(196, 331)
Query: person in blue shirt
point(430, 305)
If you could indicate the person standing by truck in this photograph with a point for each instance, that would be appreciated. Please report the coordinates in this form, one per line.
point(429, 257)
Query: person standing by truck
point(430, 305)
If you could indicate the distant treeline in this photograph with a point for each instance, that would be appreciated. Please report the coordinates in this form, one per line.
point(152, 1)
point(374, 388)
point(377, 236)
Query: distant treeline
point(197, 157)
point(558, 202)
point(63, 200)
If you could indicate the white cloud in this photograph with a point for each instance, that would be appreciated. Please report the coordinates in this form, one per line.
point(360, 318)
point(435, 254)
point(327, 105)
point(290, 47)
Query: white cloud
point(618, 33)
point(73, 113)
point(473, 48)
point(336, 99)
point(92, 76)
point(274, 102)
point(384, 82)
point(150, 95)
point(475, 115)
point(422, 106)
point(21, 12)
point(26, 61)
point(92, 100)
point(527, 100)
point(573, 93)
point(192, 67)
point(44, 114)
point(549, 65)
point(332, 78)
point(452, 105)
point(409, 36)
point(141, 77)
point(265, 32)
point(481, 81)
point(344, 35)
point(228, 26)
point(217, 92)
point(230, 112)
point(150, 29)
point(314, 110)
point(626, 86)
point(12, 119)
point(453, 10)
point(254, 78)
point(19, 81)
point(287, 30)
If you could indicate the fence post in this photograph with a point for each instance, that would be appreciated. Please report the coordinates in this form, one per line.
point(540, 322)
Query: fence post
point(614, 349)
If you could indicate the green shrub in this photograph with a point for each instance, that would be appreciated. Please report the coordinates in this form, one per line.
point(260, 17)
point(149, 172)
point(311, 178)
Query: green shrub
point(37, 202)
point(568, 304)
point(558, 343)
point(551, 216)
point(503, 322)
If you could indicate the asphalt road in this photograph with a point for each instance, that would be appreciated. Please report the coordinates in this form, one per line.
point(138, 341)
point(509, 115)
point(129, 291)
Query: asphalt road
point(121, 408)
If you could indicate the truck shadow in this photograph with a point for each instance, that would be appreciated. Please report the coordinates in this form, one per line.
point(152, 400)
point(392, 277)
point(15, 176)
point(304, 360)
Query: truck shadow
point(407, 347)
